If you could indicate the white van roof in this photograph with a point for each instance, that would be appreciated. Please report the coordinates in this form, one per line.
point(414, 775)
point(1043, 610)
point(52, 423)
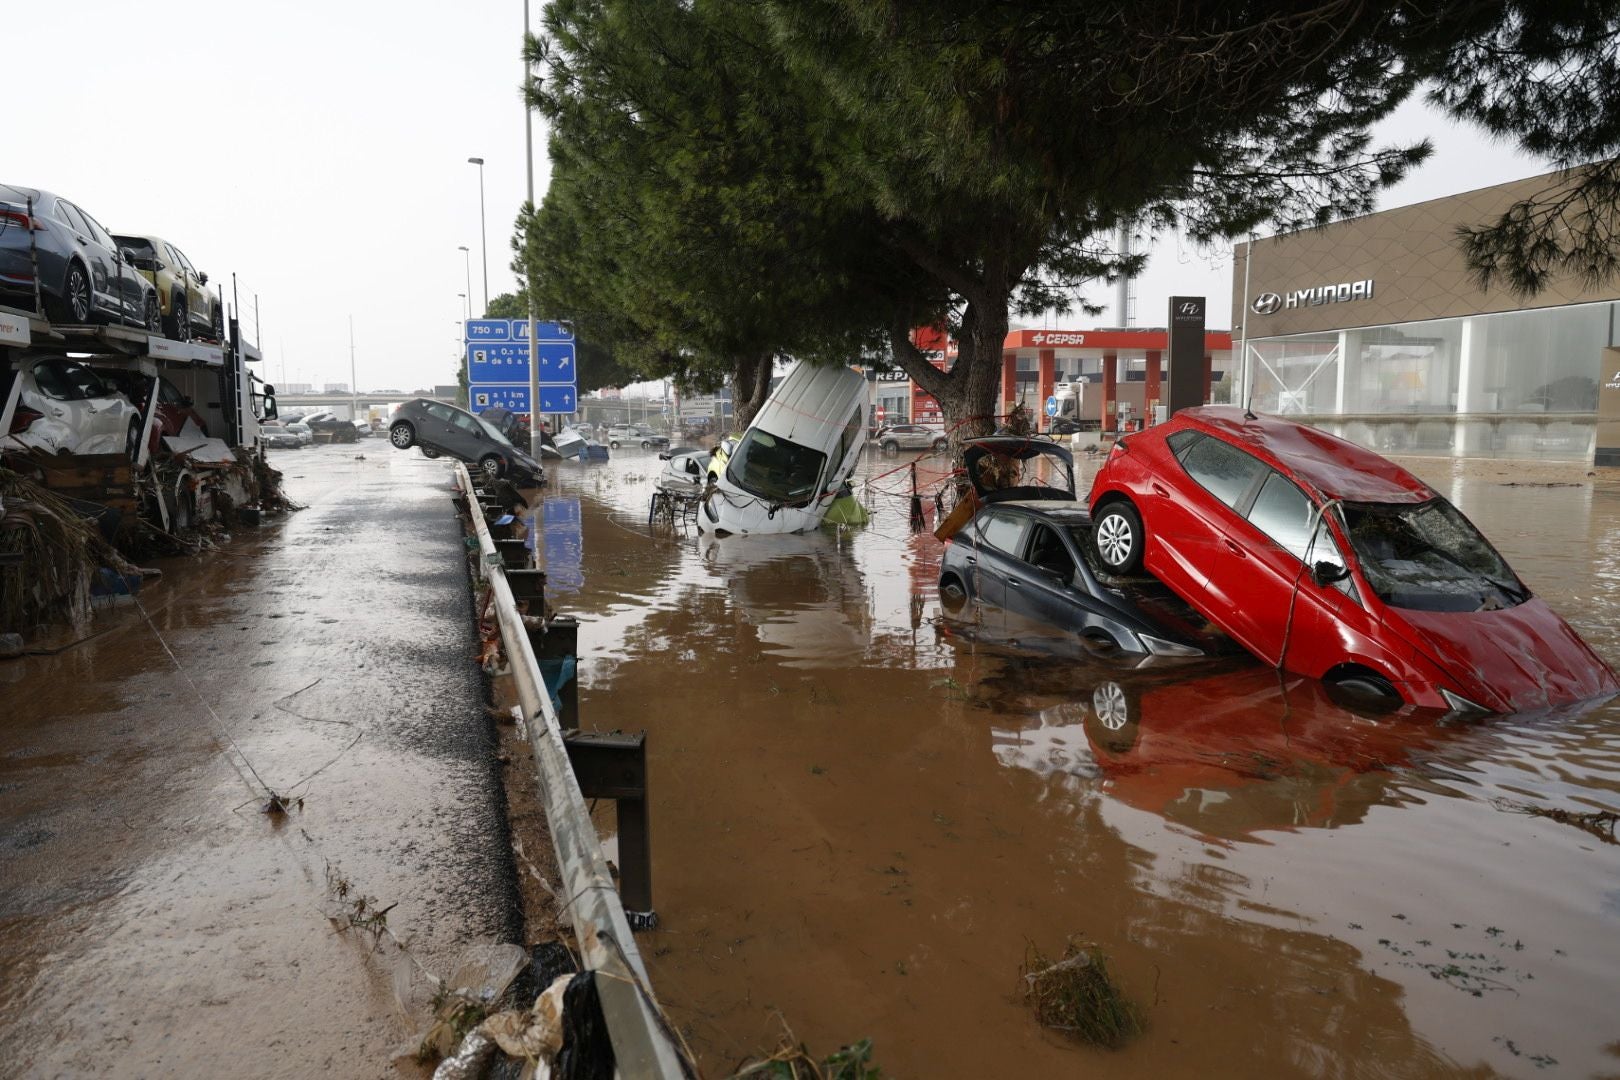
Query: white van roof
point(809, 401)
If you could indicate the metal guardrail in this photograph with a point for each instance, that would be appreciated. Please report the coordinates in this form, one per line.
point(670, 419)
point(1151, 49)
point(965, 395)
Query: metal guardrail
point(641, 1043)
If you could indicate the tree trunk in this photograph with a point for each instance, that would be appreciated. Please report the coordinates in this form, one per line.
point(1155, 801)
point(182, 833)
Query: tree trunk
point(970, 393)
point(750, 386)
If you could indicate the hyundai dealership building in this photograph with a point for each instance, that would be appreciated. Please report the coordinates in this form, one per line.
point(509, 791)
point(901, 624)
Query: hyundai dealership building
point(1374, 329)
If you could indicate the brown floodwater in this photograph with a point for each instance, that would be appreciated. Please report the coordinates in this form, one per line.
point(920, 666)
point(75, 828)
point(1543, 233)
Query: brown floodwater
point(864, 816)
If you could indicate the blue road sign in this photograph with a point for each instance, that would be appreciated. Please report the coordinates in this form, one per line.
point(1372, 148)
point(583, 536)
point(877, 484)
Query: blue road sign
point(515, 330)
point(508, 362)
point(483, 396)
point(557, 399)
point(1051, 406)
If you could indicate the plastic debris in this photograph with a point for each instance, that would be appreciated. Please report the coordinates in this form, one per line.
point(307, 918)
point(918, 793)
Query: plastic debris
point(469, 1061)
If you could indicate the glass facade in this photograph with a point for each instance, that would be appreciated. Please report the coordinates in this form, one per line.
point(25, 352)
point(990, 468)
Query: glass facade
point(1514, 384)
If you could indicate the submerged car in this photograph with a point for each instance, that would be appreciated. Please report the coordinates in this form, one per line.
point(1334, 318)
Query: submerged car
point(636, 435)
point(189, 309)
point(83, 275)
point(1324, 559)
point(794, 459)
point(64, 407)
point(445, 429)
point(276, 436)
point(1027, 551)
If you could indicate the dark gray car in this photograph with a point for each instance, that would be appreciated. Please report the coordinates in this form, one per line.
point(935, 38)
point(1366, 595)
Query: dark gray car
point(83, 275)
point(445, 429)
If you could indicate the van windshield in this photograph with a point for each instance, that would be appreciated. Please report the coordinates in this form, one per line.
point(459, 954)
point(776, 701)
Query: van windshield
point(775, 469)
point(1429, 557)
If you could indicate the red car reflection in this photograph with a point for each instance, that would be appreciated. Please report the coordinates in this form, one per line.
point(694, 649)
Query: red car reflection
point(1324, 559)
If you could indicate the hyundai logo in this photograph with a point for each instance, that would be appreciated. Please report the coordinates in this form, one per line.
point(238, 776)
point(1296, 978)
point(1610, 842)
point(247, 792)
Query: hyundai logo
point(1268, 303)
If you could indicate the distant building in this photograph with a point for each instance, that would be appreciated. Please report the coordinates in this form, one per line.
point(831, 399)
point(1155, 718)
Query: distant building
point(296, 388)
point(335, 388)
point(446, 391)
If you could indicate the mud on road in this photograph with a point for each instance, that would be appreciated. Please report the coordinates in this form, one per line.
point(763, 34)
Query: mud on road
point(863, 815)
point(153, 921)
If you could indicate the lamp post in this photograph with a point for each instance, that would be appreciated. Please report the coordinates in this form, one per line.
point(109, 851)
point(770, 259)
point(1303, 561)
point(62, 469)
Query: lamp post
point(482, 230)
point(466, 258)
point(535, 436)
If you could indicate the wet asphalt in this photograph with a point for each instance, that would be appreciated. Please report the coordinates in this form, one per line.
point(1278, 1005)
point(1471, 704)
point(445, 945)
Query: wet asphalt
point(154, 921)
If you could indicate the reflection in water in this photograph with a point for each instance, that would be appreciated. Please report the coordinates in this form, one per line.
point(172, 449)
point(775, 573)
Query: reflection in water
point(1289, 886)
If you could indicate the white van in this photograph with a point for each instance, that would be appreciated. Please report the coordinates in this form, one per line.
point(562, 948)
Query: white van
point(791, 462)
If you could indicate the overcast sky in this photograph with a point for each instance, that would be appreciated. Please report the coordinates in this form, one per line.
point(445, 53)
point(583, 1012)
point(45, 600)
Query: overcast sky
point(319, 152)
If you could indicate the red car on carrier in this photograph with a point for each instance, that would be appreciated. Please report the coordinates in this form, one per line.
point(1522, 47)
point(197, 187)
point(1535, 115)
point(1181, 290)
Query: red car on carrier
point(1326, 560)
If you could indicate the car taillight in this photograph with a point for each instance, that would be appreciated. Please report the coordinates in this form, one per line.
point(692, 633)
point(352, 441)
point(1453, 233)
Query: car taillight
point(22, 220)
point(23, 417)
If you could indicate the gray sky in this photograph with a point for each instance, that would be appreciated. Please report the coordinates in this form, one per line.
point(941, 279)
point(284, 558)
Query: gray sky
point(318, 151)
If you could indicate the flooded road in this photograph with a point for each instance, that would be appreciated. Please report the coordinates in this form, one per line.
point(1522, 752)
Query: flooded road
point(153, 920)
point(863, 818)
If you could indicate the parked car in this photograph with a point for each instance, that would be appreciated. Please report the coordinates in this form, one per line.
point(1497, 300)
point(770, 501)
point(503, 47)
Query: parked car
point(363, 429)
point(445, 429)
point(173, 409)
point(64, 407)
point(636, 435)
point(304, 433)
point(1327, 560)
point(189, 309)
point(897, 437)
point(795, 457)
point(83, 276)
point(277, 437)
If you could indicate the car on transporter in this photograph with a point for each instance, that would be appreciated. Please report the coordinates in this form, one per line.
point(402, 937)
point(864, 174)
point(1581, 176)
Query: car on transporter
point(80, 272)
point(189, 309)
point(1326, 560)
point(445, 429)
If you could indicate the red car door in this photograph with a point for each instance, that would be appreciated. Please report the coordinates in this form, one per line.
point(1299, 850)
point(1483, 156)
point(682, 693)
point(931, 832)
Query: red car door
point(1218, 540)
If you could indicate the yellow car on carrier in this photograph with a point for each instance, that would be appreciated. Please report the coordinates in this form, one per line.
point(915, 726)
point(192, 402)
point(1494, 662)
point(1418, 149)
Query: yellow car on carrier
point(189, 309)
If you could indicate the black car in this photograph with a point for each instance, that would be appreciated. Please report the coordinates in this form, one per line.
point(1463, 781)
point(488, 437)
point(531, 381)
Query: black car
point(83, 274)
point(1027, 550)
point(1034, 558)
point(433, 425)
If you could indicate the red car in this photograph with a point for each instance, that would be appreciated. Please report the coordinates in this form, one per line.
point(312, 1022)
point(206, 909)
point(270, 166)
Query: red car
point(173, 410)
point(1326, 560)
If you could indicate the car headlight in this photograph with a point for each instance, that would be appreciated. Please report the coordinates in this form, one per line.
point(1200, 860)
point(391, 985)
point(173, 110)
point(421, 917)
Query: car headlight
point(1161, 647)
point(1458, 703)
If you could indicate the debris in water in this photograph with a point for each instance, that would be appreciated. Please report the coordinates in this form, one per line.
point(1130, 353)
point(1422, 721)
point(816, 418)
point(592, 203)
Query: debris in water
point(1077, 995)
point(1600, 823)
point(793, 1062)
point(280, 806)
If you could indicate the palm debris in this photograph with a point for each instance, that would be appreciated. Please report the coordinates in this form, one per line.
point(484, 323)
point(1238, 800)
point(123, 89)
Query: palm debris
point(1077, 995)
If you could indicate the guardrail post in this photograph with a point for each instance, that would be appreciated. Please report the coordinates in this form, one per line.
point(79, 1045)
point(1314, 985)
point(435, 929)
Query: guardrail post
point(529, 588)
point(561, 640)
point(614, 766)
point(514, 554)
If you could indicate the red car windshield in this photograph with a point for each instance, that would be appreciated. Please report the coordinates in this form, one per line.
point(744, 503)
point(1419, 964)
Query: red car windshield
point(1428, 557)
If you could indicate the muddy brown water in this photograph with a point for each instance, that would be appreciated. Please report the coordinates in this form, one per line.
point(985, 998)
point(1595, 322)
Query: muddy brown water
point(863, 818)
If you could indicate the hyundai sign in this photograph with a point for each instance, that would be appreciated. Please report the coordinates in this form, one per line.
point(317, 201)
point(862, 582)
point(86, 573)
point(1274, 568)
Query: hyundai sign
point(1269, 303)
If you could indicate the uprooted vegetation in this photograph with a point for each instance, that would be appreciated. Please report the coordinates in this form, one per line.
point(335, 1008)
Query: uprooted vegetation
point(63, 555)
point(1077, 995)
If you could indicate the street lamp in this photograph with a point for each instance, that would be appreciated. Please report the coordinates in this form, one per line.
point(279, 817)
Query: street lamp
point(466, 257)
point(484, 232)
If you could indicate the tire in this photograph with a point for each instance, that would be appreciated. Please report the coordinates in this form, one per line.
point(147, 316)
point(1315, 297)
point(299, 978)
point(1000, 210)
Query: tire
point(75, 306)
point(1117, 536)
point(612, 445)
point(940, 445)
point(492, 465)
point(132, 440)
point(1114, 720)
point(891, 447)
point(402, 435)
point(154, 314)
point(1362, 691)
point(953, 596)
point(429, 453)
point(645, 445)
point(178, 325)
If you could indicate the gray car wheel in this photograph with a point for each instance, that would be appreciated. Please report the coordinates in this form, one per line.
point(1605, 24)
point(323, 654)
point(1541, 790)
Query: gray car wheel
point(1116, 533)
point(402, 435)
point(75, 305)
point(891, 447)
point(179, 327)
point(154, 314)
point(492, 465)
